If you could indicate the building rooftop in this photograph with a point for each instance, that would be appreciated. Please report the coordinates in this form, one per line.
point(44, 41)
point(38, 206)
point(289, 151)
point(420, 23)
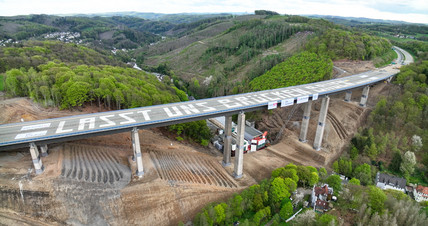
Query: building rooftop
point(391, 180)
point(321, 190)
point(422, 189)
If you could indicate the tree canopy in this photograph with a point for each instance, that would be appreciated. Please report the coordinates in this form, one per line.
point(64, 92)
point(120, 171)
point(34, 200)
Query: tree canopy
point(69, 86)
point(299, 69)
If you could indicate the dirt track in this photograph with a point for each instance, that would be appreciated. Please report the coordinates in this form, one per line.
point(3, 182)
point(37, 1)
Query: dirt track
point(93, 181)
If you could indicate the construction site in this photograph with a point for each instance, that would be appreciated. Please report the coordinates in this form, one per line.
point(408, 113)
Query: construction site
point(92, 181)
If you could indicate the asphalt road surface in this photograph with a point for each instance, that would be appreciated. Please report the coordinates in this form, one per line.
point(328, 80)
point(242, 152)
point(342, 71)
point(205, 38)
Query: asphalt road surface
point(75, 127)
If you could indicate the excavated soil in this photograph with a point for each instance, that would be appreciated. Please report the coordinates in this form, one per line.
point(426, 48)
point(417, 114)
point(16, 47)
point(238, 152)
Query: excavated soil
point(93, 181)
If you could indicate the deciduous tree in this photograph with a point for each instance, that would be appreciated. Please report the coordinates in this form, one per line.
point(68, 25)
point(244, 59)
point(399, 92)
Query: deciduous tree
point(408, 164)
point(335, 182)
point(376, 199)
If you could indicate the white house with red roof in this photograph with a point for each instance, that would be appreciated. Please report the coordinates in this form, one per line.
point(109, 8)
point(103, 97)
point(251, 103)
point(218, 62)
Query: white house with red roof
point(420, 193)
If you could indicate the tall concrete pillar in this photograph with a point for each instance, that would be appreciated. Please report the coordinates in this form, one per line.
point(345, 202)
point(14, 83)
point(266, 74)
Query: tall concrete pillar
point(348, 96)
point(364, 96)
point(305, 121)
point(227, 141)
point(321, 123)
point(37, 162)
point(239, 153)
point(44, 150)
point(138, 158)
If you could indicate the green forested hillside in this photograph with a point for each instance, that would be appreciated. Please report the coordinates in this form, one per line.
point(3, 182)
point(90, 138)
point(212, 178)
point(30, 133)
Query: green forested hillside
point(301, 68)
point(338, 44)
point(227, 63)
point(396, 137)
point(232, 58)
point(106, 32)
point(69, 86)
point(34, 53)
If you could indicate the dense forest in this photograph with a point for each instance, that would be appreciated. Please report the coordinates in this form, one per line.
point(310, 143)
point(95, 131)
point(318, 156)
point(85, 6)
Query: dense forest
point(338, 44)
point(69, 86)
point(299, 69)
point(270, 202)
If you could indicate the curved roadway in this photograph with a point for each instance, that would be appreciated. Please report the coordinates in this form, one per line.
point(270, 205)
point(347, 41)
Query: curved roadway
point(75, 127)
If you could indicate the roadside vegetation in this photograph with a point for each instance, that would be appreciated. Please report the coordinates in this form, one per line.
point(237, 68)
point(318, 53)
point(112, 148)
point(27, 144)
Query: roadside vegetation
point(385, 59)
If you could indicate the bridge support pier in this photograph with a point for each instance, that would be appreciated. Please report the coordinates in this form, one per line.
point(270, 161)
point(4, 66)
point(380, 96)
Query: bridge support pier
point(37, 162)
point(305, 121)
point(364, 96)
point(44, 150)
point(321, 123)
point(239, 153)
point(227, 141)
point(348, 96)
point(138, 158)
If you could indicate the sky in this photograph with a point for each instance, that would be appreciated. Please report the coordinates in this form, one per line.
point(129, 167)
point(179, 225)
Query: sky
point(415, 11)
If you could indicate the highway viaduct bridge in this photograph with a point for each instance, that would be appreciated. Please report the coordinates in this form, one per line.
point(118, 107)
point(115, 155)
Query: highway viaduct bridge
point(40, 133)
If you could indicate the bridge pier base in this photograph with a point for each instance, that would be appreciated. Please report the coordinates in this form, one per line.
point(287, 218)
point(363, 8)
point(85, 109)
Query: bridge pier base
point(138, 158)
point(305, 121)
point(239, 153)
point(227, 141)
point(364, 96)
point(37, 162)
point(44, 150)
point(321, 123)
point(348, 96)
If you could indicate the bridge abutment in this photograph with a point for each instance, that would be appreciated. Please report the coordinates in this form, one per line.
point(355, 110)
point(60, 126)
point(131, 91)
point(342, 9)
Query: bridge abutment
point(227, 141)
point(138, 158)
point(37, 162)
point(321, 123)
point(305, 121)
point(239, 153)
point(364, 96)
point(348, 96)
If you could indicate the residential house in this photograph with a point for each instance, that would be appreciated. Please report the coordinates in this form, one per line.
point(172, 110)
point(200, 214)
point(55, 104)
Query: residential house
point(321, 197)
point(385, 181)
point(420, 193)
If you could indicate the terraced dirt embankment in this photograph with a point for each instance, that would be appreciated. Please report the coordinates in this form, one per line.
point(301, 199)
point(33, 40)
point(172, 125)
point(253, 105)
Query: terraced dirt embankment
point(93, 164)
point(337, 125)
point(191, 168)
point(90, 183)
